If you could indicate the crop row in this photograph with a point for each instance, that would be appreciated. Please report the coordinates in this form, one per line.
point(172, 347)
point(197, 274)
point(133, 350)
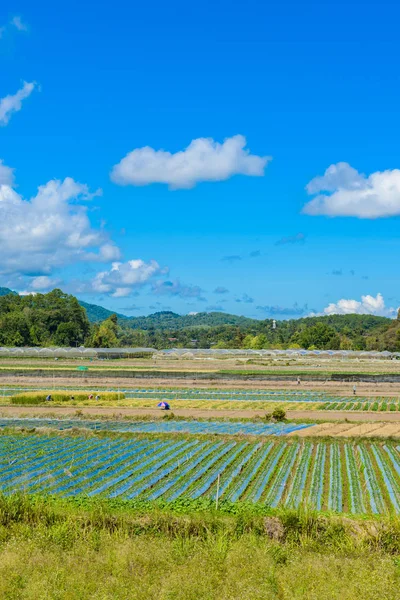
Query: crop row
point(338, 476)
point(194, 427)
point(298, 395)
point(374, 404)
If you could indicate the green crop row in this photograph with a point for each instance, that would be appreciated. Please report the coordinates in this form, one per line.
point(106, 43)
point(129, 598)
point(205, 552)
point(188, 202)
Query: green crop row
point(35, 398)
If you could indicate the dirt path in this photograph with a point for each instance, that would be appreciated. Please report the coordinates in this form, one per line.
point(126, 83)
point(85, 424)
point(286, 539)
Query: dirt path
point(389, 417)
point(330, 387)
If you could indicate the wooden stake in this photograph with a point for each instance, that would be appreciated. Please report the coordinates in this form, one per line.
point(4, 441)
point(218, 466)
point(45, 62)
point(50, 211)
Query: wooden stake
point(217, 496)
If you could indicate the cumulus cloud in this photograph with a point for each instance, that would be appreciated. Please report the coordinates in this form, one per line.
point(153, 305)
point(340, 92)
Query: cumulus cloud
point(49, 231)
point(215, 308)
point(43, 282)
point(344, 192)
point(176, 288)
point(203, 160)
point(221, 290)
point(19, 24)
point(108, 252)
point(368, 305)
point(122, 278)
point(255, 254)
point(299, 238)
point(6, 174)
point(13, 103)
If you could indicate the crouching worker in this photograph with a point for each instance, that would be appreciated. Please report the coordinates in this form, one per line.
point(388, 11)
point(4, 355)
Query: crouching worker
point(163, 405)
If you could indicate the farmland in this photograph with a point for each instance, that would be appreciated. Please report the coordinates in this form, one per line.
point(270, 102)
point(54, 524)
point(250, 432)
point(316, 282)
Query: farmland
point(116, 495)
point(169, 426)
point(356, 478)
point(206, 399)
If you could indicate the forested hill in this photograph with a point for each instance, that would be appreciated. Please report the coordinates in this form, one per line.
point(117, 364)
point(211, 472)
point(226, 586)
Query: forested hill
point(96, 313)
point(5, 291)
point(167, 320)
point(56, 318)
point(218, 330)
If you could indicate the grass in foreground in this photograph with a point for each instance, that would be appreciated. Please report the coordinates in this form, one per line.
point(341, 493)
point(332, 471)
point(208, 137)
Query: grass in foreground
point(52, 549)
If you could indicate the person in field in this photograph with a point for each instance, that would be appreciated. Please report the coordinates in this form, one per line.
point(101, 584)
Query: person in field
point(354, 390)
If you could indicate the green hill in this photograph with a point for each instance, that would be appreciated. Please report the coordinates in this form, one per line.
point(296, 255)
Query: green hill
point(5, 291)
point(165, 320)
point(59, 319)
point(96, 313)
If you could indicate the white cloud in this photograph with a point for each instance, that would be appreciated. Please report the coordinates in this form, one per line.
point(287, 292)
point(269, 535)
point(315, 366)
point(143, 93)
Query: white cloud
point(13, 103)
point(49, 231)
point(348, 193)
point(43, 282)
point(122, 278)
point(109, 252)
point(203, 160)
point(369, 305)
point(18, 23)
point(6, 174)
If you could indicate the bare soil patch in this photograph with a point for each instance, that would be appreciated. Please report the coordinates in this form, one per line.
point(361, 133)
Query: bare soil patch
point(369, 389)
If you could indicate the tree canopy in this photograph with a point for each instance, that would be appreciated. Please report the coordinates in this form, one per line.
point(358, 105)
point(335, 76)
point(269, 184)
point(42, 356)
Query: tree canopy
point(42, 320)
point(59, 319)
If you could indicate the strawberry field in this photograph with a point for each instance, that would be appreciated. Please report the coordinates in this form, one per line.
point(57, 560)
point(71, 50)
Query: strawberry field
point(168, 426)
point(338, 476)
point(222, 399)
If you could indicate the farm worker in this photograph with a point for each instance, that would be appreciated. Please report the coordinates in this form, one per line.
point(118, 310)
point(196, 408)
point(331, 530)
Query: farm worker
point(298, 381)
point(354, 389)
point(72, 397)
point(48, 397)
point(90, 396)
point(97, 397)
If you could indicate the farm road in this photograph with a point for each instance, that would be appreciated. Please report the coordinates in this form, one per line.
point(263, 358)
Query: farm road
point(349, 416)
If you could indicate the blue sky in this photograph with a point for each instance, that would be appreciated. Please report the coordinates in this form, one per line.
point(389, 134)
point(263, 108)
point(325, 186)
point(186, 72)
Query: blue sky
point(228, 224)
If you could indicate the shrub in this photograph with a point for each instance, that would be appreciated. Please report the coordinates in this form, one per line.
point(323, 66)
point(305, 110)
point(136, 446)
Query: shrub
point(279, 414)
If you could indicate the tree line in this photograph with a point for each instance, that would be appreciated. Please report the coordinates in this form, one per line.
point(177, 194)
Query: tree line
point(58, 319)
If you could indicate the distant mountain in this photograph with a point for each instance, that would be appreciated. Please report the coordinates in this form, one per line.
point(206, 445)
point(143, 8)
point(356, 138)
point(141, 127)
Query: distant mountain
point(5, 291)
point(170, 321)
point(24, 320)
point(167, 320)
point(96, 313)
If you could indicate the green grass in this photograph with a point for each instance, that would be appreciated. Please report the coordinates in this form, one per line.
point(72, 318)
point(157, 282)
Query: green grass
point(60, 550)
point(35, 398)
